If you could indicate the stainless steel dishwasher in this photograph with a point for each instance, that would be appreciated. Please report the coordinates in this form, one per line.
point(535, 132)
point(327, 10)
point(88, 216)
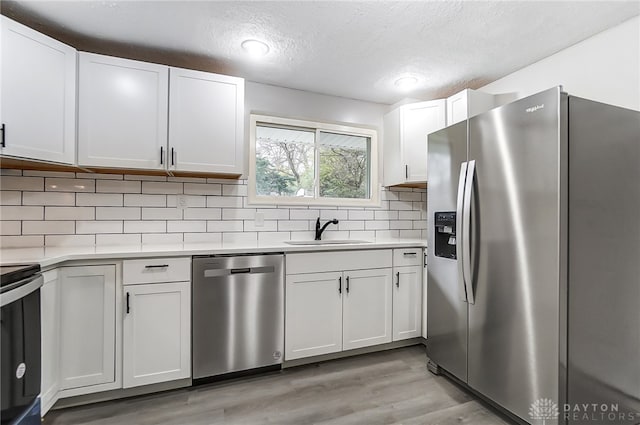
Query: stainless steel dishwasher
point(237, 313)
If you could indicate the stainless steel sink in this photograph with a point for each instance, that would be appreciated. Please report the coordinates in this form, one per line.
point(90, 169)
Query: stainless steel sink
point(327, 242)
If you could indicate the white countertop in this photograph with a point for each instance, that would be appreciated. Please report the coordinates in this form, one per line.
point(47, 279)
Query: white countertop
point(49, 257)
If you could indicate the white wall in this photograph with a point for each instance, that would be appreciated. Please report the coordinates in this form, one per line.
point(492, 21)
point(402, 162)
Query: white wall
point(605, 67)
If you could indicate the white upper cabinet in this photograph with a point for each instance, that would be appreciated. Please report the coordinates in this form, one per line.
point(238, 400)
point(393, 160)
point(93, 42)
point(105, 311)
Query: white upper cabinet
point(122, 115)
point(38, 95)
point(467, 104)
point(206, 116)
point(405, 140)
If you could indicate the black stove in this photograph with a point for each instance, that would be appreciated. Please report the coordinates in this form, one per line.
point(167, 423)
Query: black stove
point(12, 273)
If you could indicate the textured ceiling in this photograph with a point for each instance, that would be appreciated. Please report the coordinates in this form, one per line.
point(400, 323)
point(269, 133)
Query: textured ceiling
point(350, 49)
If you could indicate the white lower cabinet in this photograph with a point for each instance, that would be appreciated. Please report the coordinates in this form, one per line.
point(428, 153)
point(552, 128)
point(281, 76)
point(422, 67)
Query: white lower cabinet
point(50, 339)
point(156, 333)
point(366, 308)
point(407, 302)
point(329, 310)
point(87, 326)
point(313, 314)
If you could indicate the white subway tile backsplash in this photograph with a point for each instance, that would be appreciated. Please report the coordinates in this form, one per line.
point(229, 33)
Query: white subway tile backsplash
point(161, 238)
point(119, 239)
point(300, 214)
point(10, 228)
point(360, 215)
point(51, 227)
point(48, 173)
point(117, 213)
point(225, 226)
point(386, 215)
point(400, 205)
point(186, 226)
point(409, 196)
point(244, 237)
point(350, 225)
point(292, 225)
point(238, 214)
point(145, 226)
point(234, 190)
point(118, 186)
point(224, 201)
point(267, 226)
point(161, 214)
point(331, 214)
point(400, 224)
point(202, 189)
point(10, 197)
point(49, 198)
point(99, 199)
point(273, 237)
point(69, 240)
point(22, 241)
point(56, 184)
point(131, 200)
point(21, 183)
point(165, 188)
point(95, 227)
point(192, 201)
point(103, 209)
point(202, 237)
point(376, 225)
point(69, 213)
point(21, 213)
point(274, 213)
point(202, 214)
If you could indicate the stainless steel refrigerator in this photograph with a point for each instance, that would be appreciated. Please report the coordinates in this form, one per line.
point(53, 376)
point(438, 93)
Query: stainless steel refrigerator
point(534, 255)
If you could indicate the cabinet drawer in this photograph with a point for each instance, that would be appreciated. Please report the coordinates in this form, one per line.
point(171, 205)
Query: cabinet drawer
point(154, 270)
point(318, 262)
point(407, 257)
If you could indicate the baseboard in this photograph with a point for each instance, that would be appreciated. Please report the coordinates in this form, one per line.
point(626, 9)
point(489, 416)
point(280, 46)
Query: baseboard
point(356, 352)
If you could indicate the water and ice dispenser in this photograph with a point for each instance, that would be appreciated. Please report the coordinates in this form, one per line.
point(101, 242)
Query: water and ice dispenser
point(445, 234)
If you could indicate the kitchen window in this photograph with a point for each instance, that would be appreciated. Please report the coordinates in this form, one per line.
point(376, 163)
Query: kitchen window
point(295, 162)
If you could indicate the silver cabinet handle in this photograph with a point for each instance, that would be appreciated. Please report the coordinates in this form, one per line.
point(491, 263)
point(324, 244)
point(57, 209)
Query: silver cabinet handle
point(460, 230)
point(466, 240)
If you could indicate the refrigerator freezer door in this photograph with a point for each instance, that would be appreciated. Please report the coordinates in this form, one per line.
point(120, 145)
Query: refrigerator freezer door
point(516, 249)
point(446, 308)
point(604, 248)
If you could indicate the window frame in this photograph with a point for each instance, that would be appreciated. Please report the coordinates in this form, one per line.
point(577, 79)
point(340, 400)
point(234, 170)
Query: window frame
point(316, 200)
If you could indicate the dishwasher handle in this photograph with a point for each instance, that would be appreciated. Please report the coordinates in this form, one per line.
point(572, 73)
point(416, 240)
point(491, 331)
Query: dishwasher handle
point(243, 270)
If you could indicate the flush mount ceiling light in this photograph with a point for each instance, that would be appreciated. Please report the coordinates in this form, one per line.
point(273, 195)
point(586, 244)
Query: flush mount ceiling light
point(255, 48)
point(406, 83)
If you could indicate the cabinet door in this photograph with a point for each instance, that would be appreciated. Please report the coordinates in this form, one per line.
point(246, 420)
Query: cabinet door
point(87, 325)
point(367, 308)
point(313, 314)
point(122, 113)
point(156, 333)
point(407, 302)
point(206, 122)
point(457, 108)
point(418, 120)
point(38, 95)
point(50, 339)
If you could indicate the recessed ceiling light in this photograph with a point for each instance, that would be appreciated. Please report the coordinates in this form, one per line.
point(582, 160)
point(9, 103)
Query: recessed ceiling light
point(255, 48)
point(406, 83)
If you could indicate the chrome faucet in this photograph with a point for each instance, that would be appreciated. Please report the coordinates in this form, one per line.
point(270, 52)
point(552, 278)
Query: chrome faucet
point(319, 229)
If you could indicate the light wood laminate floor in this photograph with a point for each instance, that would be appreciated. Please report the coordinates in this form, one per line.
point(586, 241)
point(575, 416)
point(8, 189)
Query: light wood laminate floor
point(392, 387)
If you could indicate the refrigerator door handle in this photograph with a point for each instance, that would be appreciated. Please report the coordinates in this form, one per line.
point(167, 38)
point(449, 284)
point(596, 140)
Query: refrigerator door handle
point(466, 238)
point(460, 231)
